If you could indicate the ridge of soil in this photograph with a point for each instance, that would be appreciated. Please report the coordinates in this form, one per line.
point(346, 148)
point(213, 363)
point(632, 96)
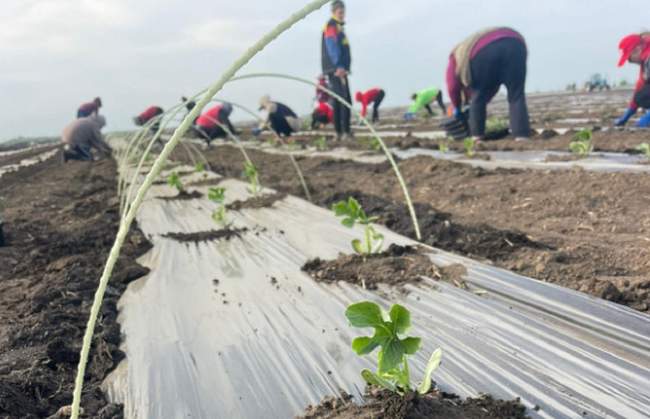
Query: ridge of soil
point(182, 196)
point(398, 265)
point(588, 231)
point(60, 221)
point(383, 404)
point(207, 236)
point(20, 156)
point(257, 202)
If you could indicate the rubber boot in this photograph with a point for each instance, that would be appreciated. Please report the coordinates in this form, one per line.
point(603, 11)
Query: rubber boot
point(644, 122)
point(2, 236)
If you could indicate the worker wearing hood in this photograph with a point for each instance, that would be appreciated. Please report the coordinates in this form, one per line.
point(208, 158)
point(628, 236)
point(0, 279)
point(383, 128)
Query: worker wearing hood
point(635, 49)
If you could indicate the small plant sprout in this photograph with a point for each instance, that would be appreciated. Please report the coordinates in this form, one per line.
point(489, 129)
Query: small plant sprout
point(199, 168)
point(468, 144)
point(174, 181)
point(321, 144)
point(644, 148)
point(443, 145)
point(392, 358)
point(218, 196)
point(352, 213)
point(582, 143)
point(250, 171)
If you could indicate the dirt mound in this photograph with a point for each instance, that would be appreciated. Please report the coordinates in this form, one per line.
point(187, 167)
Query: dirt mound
point(206, 236)
point(382, 404)
point(398, 265)
point(182, 196)
point(262, 201)
point(60, 221)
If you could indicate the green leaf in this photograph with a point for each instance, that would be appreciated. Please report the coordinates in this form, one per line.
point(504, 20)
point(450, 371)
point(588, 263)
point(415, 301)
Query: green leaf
point(358, 247)
point(353, 206)
point(348, 222)
point(374, 379)
point(364, 314)
point(364, 345)
point(390, 356)
point(432, 365)
point(401, 319)
point(411, 345)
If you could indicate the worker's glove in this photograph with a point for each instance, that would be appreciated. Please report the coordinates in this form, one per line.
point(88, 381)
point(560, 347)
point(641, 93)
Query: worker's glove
point(257, 131)
point(626, 117)
point(409, 116)
point(644, 122)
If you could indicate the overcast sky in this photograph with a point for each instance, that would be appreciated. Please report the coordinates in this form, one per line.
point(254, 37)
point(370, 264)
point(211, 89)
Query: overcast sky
point(56, 54)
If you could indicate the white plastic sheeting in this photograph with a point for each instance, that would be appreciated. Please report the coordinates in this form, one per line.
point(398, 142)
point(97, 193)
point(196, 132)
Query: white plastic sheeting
point(28, 161)
point(234, 329)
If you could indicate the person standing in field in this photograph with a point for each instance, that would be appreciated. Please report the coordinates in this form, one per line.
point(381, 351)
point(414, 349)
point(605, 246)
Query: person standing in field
point(423, 100)
point(478, 67)
point(215, 123)
point(83, 135)
point(89, 108)
point(374, 96)
point(635, 49)
point(336, 60)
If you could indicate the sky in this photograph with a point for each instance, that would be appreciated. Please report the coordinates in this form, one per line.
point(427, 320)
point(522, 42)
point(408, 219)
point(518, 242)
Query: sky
point(57, 54)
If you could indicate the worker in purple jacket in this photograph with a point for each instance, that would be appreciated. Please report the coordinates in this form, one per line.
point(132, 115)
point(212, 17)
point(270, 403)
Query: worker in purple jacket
point(478, 67)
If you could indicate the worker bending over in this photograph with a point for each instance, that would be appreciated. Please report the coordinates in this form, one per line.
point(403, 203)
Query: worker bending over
point(423, 100)
point(374, 96)
point(83, 135)
point(635, 49)
point(215, 123)
point(478, 67)
point(279, 117)
point(89, 108)
point(147, 115)
point(322, 115)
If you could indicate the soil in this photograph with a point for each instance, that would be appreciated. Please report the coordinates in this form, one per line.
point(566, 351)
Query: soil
point(257, 202)
point(382, 404)
point(397, 266)
point(566, 158)
point(60, 221)
point(584, 230)
point(206, 236)
point(182, 196)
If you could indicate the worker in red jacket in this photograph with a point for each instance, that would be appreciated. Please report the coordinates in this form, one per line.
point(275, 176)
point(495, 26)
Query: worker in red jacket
point(215, 123)
point(478, 67)
point(148, 114)
point(374, 96)
point(90, 108)
point(635, 49)
point(322, 115)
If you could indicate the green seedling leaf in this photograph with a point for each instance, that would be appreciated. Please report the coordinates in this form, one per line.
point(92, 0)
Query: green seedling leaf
point(321, 144)
point(250, 171)
point(365, 314)
point(468, 144)
point(375, 380)
point(644, 148)
point(401, 319)
point(582, 143)
point(432, 365)
point(174, 180)
point(358, 247)
point(352, 213)
point(217, 195)
point(199, 168)
point(443, 145)
point(219, 215)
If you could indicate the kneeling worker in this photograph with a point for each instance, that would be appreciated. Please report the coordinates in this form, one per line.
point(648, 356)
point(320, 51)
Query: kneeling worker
point(279, 117)
point(83, 135)
point(322, 115)
point(635, 49)
point(478, 67)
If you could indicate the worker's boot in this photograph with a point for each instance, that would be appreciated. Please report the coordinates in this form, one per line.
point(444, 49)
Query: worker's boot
point(2, 236)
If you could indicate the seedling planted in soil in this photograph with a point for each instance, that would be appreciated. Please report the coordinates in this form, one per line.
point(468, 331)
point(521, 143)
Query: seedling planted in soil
point(250, 171)
point(582, 143)
point(321, 144)
point(468, 144)
point(174, 181)
point(218, 196)
point(199, 168)
point(644, 148)
point(392, 358)
point(352, 213)
point(443, 145)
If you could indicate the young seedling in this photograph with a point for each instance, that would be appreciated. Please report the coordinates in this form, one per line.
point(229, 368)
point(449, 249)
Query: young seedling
point(218, 196)
point(443, 145)
point(494, 124)
point(250, 171)
point(352, 213)
point(469, 143)
point(392, 359)
point(644, 148)
point(199, 168)
point(174, 181)
point(321, 144)
point(582, 143)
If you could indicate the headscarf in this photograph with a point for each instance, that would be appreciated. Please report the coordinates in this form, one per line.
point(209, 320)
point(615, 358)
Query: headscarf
point(629, 43)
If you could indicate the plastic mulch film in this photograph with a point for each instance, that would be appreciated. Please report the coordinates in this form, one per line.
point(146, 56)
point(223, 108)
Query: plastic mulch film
point(28, 161)
point(234, 329)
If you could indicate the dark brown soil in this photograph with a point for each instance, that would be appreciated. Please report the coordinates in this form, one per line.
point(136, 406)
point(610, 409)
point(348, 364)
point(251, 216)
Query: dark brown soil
point(206, 236)
point(60, 222)
point(260, 201)
point(565, 158)
point(585, 230)
point(182, 196)
point(398, 265)
point(382, 404)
